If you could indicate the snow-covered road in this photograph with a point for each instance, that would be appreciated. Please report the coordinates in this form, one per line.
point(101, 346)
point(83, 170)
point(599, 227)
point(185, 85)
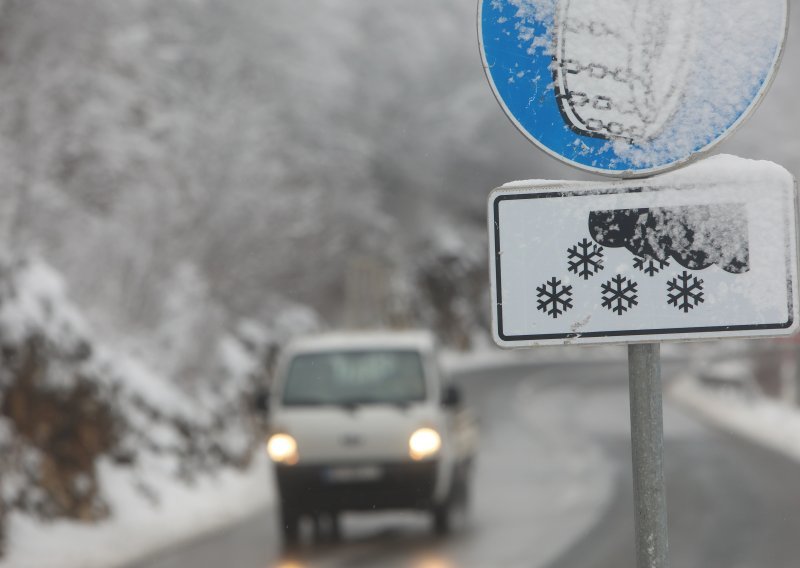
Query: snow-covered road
point(553, 489)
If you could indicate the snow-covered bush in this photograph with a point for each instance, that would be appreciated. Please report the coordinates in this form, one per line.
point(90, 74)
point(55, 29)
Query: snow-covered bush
point(69, 404)
point(452, 291)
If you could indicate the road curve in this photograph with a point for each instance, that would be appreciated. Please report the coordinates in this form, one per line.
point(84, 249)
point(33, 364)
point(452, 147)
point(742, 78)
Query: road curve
point(732, 504)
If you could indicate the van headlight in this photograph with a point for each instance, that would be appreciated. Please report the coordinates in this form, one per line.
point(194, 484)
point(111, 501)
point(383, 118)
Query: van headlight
point(282, 448)
point(424, 443)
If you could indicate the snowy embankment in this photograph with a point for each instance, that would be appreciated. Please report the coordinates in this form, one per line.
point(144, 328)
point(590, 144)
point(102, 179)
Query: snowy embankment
point(140, 528)
point(742, 410)
point(489, 357)
point(97, 448)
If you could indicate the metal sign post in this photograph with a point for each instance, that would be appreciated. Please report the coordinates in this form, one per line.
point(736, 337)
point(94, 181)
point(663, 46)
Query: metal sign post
point(647, 443)
point(704, 253)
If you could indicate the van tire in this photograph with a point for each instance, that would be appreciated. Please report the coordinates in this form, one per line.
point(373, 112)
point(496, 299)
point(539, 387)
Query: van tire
point(442, 519)
point(458, 499)
point(336, 526)
point(290, 525)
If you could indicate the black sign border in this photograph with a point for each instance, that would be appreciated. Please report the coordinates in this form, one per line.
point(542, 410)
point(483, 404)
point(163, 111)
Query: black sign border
point(498, 308)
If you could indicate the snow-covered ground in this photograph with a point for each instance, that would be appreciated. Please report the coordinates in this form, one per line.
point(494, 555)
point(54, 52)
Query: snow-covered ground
point(492, 357)
point(489, 356)
point(102, 459)
point(139, 528)
point(769, 422)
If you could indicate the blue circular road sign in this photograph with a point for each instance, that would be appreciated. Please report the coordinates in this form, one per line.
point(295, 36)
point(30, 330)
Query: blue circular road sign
point(630, 88)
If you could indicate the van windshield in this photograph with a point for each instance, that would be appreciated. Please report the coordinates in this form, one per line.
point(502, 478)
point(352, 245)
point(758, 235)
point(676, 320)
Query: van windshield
point(355, 378)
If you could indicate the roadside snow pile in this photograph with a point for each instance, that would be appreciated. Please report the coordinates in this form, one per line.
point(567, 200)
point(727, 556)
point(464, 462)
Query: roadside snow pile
point(491, 357)
point(731, 400)
point(94, 444)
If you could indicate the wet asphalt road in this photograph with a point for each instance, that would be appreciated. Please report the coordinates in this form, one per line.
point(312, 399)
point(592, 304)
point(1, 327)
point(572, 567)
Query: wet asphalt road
point(732, 504)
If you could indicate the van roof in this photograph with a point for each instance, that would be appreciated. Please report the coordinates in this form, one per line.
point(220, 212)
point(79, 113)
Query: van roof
point(347, 340)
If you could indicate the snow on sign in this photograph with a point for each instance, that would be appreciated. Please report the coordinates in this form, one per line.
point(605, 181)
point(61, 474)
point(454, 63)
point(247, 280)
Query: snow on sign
point(630, 87)
point(705, 252)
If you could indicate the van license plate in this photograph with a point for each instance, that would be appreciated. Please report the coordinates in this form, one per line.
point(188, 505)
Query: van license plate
point(352, 474)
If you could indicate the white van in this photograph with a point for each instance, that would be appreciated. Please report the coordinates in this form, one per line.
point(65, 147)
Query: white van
point(367, 422)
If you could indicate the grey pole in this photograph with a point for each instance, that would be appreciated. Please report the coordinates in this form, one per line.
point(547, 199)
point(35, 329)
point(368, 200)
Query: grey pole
point(647, 441)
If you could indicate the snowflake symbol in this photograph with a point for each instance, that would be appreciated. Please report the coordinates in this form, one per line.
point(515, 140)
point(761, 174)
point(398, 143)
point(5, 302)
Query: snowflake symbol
point(650, 266)
point(620, 294)
point(683, 294)
point(554, 299)
point(585, 259)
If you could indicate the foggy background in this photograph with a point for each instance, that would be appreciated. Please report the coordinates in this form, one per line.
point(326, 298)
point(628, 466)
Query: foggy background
point(189, 163)
point(206, 179)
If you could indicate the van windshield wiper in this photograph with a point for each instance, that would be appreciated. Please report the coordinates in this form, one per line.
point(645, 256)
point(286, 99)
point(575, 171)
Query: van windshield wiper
point(356, 403)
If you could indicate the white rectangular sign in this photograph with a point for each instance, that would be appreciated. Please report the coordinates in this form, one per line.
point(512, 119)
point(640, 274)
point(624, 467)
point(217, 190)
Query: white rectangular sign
point(706, 252)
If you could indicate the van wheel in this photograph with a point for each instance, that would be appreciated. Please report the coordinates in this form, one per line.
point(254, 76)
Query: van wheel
point(336, 526)
point(442, 518)
point(455, 506)
point(290, 526)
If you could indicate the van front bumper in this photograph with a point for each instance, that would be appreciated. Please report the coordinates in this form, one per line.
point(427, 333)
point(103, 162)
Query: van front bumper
point(354, 487)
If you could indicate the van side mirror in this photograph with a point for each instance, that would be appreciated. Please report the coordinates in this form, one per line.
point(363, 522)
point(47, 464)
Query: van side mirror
point(261, 401)
point(451, 397)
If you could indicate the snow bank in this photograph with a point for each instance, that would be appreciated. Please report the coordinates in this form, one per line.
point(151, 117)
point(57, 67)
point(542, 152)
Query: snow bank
point(96, 446)
point(765, 421)
point(490, 357)
point(139, 528)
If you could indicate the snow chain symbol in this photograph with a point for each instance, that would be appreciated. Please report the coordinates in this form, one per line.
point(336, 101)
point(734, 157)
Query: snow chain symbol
point(645, 48)
point(554, 299)
point(683, 294)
